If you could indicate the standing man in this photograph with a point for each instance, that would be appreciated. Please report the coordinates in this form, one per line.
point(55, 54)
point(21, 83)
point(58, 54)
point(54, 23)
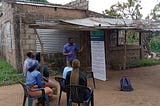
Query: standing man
point(70, 50)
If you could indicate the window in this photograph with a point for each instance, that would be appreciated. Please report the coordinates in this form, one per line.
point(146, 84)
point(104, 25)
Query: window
point(132, 37)
point(113, 38)
point(8, 36)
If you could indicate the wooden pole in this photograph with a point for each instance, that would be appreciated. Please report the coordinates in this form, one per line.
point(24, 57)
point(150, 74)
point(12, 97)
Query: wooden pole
point(42, 51)
point(125, 52)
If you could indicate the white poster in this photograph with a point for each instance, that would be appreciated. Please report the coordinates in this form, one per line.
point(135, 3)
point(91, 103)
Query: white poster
point(98, 54)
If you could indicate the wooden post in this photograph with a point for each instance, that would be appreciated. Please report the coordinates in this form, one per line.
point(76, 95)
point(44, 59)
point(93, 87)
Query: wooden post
point(42, 51)
point(140, 42)
point(125, 52)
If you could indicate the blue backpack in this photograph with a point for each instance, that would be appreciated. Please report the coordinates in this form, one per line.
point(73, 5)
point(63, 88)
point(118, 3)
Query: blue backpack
point(125, 84)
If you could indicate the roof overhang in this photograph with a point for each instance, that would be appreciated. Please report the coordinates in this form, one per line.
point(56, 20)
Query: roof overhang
point(61, 27)
point(87, 24)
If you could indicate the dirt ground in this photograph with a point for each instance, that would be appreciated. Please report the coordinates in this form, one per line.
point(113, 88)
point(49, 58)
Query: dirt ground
point(145, 81)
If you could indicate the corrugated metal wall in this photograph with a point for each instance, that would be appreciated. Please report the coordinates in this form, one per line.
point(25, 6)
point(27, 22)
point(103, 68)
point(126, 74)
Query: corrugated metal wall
point(54, 40)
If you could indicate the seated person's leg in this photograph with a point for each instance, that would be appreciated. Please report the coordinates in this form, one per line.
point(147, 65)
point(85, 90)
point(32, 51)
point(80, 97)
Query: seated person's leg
point(87, 95)
point(53, 86)
point(49, 92)
point(35, 94)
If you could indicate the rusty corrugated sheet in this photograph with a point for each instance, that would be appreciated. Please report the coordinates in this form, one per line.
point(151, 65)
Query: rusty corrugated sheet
point(103, 22)
point(110, 23)
point(106, 23)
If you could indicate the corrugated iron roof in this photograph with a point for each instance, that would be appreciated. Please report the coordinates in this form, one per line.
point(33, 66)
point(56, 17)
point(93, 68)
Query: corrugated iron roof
point(110, 23)
point(101, 23)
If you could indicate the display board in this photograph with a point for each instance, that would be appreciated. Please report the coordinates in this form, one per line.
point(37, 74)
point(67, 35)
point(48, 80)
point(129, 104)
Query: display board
point(98, 55)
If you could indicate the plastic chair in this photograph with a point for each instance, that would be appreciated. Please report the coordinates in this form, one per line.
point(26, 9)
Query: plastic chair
point(76, 94)
point(30, 99)
point(89, 74)
point(61, 83)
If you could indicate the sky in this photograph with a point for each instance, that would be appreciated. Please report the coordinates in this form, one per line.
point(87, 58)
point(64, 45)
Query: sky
point(101, 5)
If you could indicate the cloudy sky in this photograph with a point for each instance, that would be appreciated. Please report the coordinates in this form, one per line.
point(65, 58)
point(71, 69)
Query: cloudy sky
point(101, 5)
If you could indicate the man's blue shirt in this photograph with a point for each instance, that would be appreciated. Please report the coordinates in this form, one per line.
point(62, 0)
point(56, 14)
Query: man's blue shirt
point(34, 78)
point(70, 48)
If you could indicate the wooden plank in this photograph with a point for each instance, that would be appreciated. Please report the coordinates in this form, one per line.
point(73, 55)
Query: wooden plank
point(42, 52)
point(66, 27)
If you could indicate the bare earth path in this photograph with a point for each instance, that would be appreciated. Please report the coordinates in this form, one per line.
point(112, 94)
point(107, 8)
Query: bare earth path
point(145, 81)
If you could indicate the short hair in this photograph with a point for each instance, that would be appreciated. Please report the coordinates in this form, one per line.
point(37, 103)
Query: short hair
point(70, 38)
point(29, 54)
point(75, 63)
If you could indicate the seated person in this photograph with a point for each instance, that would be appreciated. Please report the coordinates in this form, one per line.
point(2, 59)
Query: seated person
point(45, 69)
point(76, 77)
point(33, 80)
point(46, 75)
point(67, 69)
point(30, 56)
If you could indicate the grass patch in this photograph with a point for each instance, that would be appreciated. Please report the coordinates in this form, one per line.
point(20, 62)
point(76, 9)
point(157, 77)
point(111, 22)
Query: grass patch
point(8, 74)
point(144, 62)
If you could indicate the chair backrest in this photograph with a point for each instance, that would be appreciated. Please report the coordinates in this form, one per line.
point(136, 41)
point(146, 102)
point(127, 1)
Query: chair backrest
point(77, 93)
point(61, 81)
point(25, 88)
point(87, 72)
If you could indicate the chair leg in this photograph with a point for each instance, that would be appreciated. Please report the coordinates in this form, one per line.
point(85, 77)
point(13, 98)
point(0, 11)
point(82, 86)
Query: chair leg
point(85, 104)
point(24, 100)
point(92, 100)
point(60, 97)
point(79, 104)
point(69, 102)
point(47, 100)
point(30, 101)
point(93, 81)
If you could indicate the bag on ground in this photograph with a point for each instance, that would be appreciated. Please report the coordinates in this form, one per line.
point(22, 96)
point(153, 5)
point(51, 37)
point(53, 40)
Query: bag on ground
point(125, 84)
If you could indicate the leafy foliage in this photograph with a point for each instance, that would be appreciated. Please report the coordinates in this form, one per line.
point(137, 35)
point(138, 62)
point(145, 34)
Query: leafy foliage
point(155, 45)
point(155, 13)
point(129, 10)
point(8, 74)
point(132, 37)
point(144, 62)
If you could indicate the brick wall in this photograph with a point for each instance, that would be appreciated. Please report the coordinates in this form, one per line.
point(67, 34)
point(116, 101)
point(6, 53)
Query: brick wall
point(21, 15)
point(7, 17)
point(28, 14)
point(80, 4)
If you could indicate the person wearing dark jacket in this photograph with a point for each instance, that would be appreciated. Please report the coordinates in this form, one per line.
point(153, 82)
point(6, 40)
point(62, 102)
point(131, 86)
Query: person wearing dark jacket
point(47, 81)
point(76, 77)
point(45, 69)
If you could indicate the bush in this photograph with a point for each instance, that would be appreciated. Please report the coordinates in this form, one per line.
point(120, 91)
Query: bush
point(155, 45)
point(144, 62)
point(8, 74)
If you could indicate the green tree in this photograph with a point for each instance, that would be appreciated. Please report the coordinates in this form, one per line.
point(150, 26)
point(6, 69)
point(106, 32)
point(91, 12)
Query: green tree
point(155, 13)
point(129, 10)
